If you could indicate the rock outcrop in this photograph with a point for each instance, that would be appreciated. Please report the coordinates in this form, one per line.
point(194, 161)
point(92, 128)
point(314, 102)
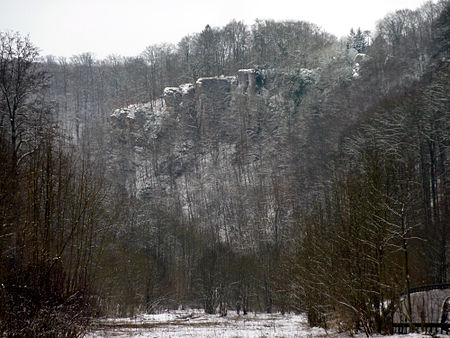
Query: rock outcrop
point(208, 93)
point(139, 120)
point(213, 94)
point(156, 138)
point(247, 80)
point(172, 97)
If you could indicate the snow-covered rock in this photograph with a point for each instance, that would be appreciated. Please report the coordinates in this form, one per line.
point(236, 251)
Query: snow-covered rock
point(172, 96)
point(131, 116)
point(361, 57)
point(139, 120)
point(187, 89)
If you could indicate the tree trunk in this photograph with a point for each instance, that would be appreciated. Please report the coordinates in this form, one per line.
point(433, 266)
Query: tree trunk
point(406, 270)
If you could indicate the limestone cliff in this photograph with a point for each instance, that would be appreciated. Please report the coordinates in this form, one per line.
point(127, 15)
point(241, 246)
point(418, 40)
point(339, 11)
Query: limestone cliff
point(156, 143)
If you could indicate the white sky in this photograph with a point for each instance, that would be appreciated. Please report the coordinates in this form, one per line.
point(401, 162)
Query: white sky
point(126, 27)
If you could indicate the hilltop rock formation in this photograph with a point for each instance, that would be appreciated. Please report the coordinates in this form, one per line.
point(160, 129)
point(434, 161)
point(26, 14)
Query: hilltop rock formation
point(160, 140)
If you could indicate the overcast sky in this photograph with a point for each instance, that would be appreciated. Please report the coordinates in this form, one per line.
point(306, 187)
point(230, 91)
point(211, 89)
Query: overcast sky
point(126, 27)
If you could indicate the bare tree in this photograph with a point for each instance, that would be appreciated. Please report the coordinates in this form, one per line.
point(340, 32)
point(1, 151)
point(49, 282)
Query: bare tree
point(21, 77)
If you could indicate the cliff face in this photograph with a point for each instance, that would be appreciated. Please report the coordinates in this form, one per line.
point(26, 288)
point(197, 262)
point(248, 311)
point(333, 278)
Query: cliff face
point(153, 142)
point(206, 97)
point(218, 139)
point(209, 93)
point(160, 141)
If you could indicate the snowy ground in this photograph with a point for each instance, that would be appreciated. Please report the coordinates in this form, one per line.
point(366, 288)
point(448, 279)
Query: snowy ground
point(195, 323)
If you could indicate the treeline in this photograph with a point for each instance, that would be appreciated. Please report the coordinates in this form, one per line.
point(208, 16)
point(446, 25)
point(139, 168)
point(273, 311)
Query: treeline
point(52, 207)
point(381, 225)
point(87, 90)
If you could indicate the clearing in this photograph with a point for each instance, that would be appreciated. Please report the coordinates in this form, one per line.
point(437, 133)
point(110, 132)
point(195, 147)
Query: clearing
point(195, 323)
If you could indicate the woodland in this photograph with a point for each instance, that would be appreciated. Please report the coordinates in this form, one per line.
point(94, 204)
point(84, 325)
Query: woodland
point(325, 190)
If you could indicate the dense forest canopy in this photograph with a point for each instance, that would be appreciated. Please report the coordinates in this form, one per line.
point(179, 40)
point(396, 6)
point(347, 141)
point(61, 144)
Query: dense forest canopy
point(282, 170)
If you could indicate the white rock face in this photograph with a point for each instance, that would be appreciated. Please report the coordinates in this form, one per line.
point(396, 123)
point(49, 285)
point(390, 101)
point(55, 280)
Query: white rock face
point(141, 118)
point(130, 111)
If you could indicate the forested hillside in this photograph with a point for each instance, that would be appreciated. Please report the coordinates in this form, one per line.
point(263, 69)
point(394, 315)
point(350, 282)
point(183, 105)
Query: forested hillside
point(264, 168)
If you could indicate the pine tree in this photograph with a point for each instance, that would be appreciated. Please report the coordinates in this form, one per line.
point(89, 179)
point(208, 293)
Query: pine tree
point(357, 40)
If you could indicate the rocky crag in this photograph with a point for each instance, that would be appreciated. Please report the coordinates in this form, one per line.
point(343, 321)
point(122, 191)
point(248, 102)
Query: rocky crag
point(218, 139)
point(184, 117)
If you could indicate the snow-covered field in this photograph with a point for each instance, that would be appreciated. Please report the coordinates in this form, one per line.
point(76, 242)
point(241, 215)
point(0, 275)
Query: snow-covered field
point(195, 323)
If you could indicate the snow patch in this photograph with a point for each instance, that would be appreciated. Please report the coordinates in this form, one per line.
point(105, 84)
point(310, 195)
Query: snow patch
point(186, 88)
point(169, 91)
point(355, 71)
point(247, 71)
point(361, 57)
point(201, 81)
point(133, 111)
point(195, 323)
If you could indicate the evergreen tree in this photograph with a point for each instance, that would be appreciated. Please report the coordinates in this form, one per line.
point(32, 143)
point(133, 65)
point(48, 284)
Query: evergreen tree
point(358, 40)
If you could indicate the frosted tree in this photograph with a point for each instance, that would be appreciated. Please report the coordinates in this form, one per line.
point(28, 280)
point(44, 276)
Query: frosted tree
point(21, 77)
point(358, 40)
